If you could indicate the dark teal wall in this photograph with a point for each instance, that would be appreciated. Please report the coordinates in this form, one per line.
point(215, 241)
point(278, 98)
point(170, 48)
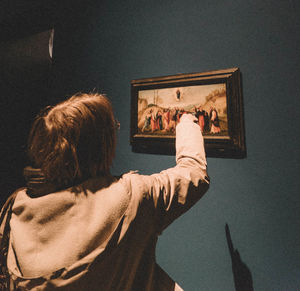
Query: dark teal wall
point(256, 196)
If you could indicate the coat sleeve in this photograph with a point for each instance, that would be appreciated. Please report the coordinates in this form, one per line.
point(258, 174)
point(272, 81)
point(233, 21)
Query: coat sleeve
point(175, 190)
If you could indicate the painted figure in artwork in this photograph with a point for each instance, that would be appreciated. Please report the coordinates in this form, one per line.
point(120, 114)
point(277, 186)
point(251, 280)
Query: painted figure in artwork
point(215, 124)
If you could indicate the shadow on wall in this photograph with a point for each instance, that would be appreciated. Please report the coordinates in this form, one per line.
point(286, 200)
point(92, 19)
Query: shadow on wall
point(241, 273)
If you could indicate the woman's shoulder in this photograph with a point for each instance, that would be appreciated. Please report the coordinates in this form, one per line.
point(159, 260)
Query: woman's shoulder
point(12, 198)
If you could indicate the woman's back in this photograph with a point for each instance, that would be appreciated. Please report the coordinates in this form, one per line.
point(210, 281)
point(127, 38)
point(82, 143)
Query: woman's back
point(100, 233)
point(56, 230)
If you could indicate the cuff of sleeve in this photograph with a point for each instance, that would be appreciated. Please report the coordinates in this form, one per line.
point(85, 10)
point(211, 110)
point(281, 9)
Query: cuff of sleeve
point(189, 141)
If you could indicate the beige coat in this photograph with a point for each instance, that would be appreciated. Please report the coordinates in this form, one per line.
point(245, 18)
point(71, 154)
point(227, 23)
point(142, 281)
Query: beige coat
point(102, 234)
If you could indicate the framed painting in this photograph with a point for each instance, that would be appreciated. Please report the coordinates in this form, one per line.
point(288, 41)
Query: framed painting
point(214, 98)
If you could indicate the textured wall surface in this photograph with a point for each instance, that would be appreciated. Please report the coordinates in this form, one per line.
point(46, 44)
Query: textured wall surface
point(257, 197)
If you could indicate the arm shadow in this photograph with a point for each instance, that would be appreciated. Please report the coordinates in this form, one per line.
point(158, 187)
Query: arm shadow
point(241, 273)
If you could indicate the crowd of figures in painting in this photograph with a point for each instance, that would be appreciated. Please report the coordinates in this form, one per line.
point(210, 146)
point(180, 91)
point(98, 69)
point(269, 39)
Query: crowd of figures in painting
point(165, 120)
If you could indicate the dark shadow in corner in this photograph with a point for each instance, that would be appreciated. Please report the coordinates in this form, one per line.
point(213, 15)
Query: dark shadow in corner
point(241, 273)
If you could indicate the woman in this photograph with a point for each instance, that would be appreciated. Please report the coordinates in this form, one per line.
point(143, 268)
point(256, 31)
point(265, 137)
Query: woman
point(215, 124)
point(153, 121)
point(166, 119)
point(200, 114)
point(75, 226)
point(147, 121)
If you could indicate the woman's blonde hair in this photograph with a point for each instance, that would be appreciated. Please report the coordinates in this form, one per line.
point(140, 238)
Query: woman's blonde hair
point(74, 140)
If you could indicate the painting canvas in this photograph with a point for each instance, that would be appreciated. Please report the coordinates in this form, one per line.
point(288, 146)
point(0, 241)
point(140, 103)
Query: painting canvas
point(159, 110)
point(214, 98)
